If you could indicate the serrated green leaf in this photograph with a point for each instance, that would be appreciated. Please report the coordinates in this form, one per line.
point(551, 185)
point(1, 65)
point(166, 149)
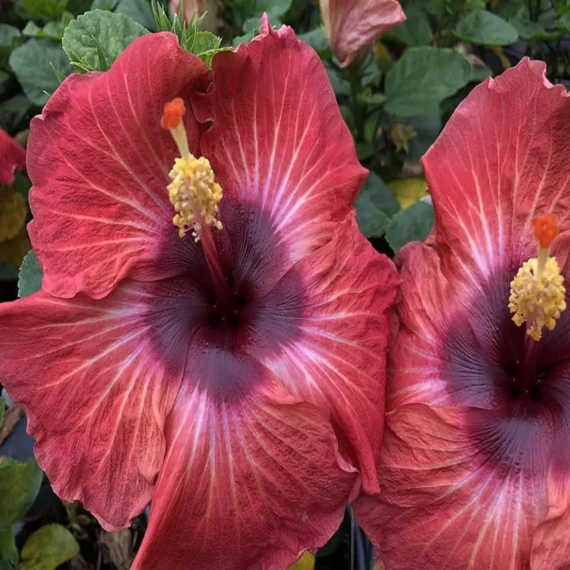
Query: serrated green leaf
point(374, 206)
point(201, 42)
point(138, 10)
point(32, 62)
point(208, 56)
point(19, 486)
point(423, 77)
point(30, 277)
point(48, 548)
point(485, 28)
point(411, 224)
point(8, 549)
point(97, 38)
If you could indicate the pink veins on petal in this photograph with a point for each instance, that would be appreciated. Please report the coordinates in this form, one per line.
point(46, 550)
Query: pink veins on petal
point(235, 381)
point(475, 463)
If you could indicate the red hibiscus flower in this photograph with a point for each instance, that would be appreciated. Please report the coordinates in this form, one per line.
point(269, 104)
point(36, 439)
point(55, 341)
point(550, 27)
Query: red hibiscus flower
point(12, 157)
point(475, 468)
point(232, 376)
point(353, 25)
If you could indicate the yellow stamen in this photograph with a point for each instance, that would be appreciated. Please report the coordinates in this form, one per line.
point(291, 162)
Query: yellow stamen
point(193, 190)
point(538, 295)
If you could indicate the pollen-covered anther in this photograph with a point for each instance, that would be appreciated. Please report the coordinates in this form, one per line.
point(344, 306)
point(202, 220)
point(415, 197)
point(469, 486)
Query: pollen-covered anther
point(538, 295)
point(195, 195)
point(193, 190)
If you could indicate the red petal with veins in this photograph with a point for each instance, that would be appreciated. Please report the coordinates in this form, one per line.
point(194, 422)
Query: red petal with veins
point(500, 161)
point(338, 358)
point(95, 393)
point(456, 490)
point(12, 157)
point(247, 484)
point(99, 162)
point(275, 116)
point(268, 404)
point(352, 26)
point(474, 467)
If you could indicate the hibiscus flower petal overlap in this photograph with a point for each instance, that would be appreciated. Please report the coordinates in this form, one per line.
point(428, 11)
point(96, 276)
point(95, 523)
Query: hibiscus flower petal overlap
point(248, 420)
point(474, 465)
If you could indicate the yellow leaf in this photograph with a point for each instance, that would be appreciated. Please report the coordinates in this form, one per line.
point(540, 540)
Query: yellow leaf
point(381, 52)
point(13, 251)
point(306, 562)
point(409, 190)
point(12, 213)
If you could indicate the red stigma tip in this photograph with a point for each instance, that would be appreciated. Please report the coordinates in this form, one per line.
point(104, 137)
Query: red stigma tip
point(545, 230)
point(173, 113)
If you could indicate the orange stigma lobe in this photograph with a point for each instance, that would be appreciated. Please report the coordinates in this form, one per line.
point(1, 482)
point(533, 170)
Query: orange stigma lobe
point(545, 230)
point(173, 113)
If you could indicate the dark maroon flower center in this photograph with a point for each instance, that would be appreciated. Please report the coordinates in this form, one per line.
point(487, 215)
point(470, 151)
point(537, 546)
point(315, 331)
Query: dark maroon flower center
point(224, 341)
point(489, 362)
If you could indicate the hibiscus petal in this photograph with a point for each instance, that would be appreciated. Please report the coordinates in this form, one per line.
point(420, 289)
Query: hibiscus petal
point(248, 483)
point(12, 157)
point(551, 540)
point(353, 26)
point(278, 139)
point(449, 349)
point(461, 488)
point(337, 359)
point(99, 162)
point(500, 161)
point(97, 380)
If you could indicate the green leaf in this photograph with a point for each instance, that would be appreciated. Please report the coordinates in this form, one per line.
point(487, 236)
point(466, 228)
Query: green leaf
point(47, 10)
point(138, 10)
point(317, 39)
point(411, 224)
point(275, 8)
point(427, 127)
point(31, 274)
point(485, 28)
point(19, 486)
point(51, 31)
point(97, 38)
point(414, 31)
point(563, 22)
point(10, 38)
point(19, 105)
point(2, 410)
point(423, 77)
point(5, 565)
point(32, 65)
point(48, 548)
point(8, 549)
point(8, 35)
point(374, 206)
point(104, 5)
